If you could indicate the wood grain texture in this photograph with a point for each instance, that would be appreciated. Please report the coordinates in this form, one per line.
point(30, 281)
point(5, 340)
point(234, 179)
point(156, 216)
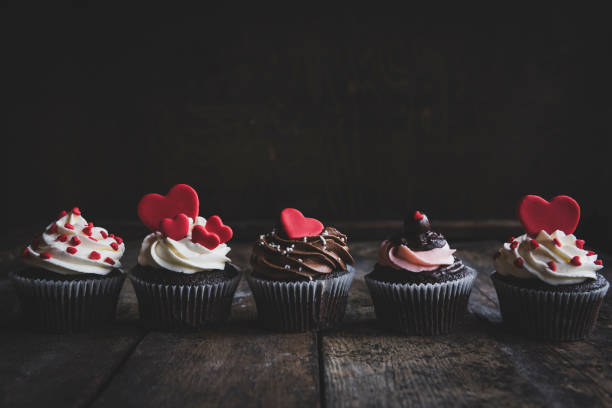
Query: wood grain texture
point(479, 364)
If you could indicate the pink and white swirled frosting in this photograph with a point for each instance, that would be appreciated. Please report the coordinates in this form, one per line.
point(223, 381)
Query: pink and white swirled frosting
point(402, 257)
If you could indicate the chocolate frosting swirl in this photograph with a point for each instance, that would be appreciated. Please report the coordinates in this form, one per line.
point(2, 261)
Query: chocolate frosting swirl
point(278, 257)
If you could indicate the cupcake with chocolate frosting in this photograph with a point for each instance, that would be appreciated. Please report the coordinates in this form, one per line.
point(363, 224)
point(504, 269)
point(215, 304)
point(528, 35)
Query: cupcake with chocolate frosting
point(72, 277)
point(183, 279)
point(418, 285)
point(547, 283)
point(301, 274)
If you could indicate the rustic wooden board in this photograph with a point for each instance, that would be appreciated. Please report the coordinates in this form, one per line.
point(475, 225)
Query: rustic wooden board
point(480, 364)
point(358, 364)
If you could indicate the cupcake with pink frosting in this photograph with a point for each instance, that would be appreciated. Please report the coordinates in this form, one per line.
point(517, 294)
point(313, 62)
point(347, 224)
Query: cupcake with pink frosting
point(418, 285)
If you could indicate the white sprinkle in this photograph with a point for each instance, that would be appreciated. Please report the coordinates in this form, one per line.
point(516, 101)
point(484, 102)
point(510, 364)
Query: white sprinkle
point(287, 267)
point(300, 260)
point(284, 252)
point(261, 236)
point(324, 242)
point(304, 239)
point(300, 269)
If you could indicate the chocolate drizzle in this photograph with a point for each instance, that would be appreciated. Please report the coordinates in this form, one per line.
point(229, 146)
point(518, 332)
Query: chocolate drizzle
point(278, 257)
point(418, 235)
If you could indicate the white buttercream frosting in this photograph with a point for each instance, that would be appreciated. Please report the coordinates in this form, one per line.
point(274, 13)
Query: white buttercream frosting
point(81, 249)
point(183, 256)
point(526, 259)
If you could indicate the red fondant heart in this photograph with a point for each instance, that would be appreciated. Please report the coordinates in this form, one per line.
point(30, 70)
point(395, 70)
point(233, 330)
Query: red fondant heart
point(176, 228)
point(298, 226)
point(537, 214)
point(181, 199)
point(216, 226)
point(199, 235)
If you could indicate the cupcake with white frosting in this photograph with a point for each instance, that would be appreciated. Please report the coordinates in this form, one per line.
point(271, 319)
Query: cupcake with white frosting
point(184, 278)
point(73, 275)
point(547, 282)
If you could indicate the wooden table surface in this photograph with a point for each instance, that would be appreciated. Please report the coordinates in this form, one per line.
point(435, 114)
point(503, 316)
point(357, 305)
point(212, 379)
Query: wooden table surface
point(358, 364)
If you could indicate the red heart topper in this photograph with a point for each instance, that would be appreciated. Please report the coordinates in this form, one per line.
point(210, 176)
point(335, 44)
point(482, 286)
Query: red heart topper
point(176, 228)
point(537, 214)
point(181, 199)
point(212, 234)
point(199, 235)
point(298, 226)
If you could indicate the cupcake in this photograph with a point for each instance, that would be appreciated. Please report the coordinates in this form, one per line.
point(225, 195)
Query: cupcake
point(547, 283)
point(301, 274)
point(72, 275)
point(418, 286)
point(184, 279)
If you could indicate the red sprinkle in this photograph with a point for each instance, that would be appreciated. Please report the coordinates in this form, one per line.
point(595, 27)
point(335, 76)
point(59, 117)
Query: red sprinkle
point(52, 229)
point(93, 239)
point(62, 238)
point(25, 253)
point(114, 245)
point(71, 250)
point(576, 261)
point(552, 266)
point(590, 253)
point(104, 234)
point(109, 260)
point(94, 255)
point(519, 262)
point(557, 243)
point(90, 224)
point(75, 241)
point(87, 230)
point(511, 239)
point(118, 239)
point(45, 255)
point(61, 214)
point(580, 243)
point(418, 216)
point(112, 235)
point(598, 262)
point(76, 211)
point(69, 226)
point(534, 244)
point(513, 244)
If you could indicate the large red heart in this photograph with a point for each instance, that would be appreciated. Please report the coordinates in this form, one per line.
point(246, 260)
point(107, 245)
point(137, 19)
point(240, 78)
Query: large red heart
point(537, 214)
point(216, 226)
point(176, 228)
point(199, 235)
point(181, 199)
point(298, 226)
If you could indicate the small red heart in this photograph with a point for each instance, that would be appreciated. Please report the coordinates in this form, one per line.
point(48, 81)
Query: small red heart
point(216, 226)
point(537, 214)
point(176, 228)
point(199, 235)
point(181, 199)
point(298, 226)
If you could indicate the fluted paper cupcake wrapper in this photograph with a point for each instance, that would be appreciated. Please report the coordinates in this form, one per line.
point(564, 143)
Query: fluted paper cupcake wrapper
point(301, 306)
point(68, 306)
point(421, 309)
point(179, 307)
point(559, 316)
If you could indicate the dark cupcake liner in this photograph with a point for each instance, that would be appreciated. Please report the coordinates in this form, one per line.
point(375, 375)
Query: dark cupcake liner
point(549, 315)
point(301, 306)
point(70, 305)
point(184, 306)
point(423, 308)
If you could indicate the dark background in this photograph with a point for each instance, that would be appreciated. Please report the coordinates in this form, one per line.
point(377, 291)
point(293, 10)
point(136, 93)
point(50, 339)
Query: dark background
point(348, 117)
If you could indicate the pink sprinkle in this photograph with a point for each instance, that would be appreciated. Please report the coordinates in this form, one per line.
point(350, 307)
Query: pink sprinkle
point(76, 211)
point(69, 226)
point(576, 261)
point(580, 243)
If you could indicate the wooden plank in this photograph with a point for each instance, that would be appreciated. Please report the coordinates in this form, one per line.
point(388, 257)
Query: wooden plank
point(68, 370)
point(479, 364)
point(235, 365)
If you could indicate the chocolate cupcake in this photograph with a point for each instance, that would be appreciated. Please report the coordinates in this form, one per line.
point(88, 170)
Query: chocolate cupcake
point(547, 284)
point(184, 279)
point(301, 275)
point(418, 286)
point(72, 277)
